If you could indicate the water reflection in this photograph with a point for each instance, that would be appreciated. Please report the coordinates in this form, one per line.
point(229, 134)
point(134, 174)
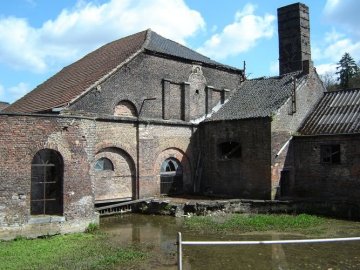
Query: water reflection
point(158, 234)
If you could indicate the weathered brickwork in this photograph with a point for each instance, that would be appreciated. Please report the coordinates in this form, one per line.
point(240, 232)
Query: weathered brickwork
point(285, 124)
point(156, 144)
point(21, 137)
point(316, 179)
point(247, 176)
point(146, 91)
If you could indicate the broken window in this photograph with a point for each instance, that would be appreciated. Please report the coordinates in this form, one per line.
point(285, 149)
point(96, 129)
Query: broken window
point(47, 183)
point(229, 150)
point(330, 153)
point(104, 164)
point(171, 177)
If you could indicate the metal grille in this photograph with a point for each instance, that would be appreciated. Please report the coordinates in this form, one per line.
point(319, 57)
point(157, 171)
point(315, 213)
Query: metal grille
point(46, 184)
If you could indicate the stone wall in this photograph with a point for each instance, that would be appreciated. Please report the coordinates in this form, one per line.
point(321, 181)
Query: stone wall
point(285, 124)
point(247, 176)
point(331, 181)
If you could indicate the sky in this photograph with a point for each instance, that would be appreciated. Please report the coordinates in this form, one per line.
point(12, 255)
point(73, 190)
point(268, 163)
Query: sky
point(40, 37)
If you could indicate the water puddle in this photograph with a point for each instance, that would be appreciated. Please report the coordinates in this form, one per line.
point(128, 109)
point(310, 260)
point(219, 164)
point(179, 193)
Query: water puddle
point(158, 234)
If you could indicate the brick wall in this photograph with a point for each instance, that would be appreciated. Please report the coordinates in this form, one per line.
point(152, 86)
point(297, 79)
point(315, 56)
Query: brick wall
point(21, 137)
point(315, 179)
point(286, 124)
point(144, 78)
point(244, 177)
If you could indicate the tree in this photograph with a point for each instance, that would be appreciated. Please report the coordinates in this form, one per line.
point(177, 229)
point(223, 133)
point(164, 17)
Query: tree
point(329, 81)
point(347, 69)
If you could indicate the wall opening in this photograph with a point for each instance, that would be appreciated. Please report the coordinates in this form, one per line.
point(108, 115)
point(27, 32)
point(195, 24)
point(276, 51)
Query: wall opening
point(171, 177)
point(125, 108)
point(104, 164)
point(47, 170)
point(330, 153)
point(229, 150)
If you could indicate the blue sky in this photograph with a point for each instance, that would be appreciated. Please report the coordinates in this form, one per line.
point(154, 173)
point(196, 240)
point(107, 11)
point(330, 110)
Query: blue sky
point(39, 37)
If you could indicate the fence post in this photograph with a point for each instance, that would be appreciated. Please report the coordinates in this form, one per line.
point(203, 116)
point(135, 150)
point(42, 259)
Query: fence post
point(179, 251)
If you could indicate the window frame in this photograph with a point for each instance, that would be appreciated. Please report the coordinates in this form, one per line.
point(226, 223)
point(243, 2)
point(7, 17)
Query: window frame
point(223, 153)
point(332, 152)
point(105, 165)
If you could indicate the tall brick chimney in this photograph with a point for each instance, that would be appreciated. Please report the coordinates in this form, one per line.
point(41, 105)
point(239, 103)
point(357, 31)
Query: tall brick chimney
point(294, 38)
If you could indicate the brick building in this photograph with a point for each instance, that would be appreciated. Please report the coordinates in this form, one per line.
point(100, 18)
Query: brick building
point(143, 116)
point(327, 150)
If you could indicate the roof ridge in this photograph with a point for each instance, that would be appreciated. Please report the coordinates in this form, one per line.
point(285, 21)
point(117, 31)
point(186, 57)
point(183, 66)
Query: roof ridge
point(111, 72)
point(148, 38)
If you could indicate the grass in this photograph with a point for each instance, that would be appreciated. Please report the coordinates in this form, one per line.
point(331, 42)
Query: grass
point(258, 222)
point(75, 251)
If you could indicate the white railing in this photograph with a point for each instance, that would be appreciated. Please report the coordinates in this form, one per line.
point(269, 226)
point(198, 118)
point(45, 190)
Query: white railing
point(180, 243)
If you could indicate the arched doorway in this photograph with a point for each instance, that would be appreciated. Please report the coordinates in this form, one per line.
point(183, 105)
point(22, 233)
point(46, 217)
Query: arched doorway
point(171, 177)
point(47, 169)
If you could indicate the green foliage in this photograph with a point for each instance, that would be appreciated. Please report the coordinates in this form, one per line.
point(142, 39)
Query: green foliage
point(75, 251)
point(92, 227)
point(347, 69)
point(260, 222)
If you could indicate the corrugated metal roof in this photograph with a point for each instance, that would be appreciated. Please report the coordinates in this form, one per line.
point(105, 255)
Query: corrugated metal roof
point(337, 113)
point(258, 97)
point(76, 78)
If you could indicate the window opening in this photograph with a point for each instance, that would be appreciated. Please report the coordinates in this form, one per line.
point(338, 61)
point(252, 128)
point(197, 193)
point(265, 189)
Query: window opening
point(47, 183)
point(104, 164)
point(330, 153)
point(125, 109)
point(229, 150)
point(171, 177)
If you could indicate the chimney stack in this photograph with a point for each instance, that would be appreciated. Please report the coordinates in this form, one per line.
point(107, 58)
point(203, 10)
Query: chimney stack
point(294, 39)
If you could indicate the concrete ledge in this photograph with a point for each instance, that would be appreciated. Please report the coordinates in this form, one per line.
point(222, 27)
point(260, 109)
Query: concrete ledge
point(46, 219)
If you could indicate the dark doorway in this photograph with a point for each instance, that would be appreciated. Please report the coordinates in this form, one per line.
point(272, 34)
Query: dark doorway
point(47, 183)
point(285, 183)
point(171, 177)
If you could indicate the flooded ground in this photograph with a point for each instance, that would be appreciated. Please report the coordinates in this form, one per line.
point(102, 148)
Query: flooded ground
point(158, 235)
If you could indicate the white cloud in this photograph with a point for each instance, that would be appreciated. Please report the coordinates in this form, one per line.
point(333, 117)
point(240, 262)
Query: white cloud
point(240, 36)
point(13, 93)
point(88, 25)
point(324, 69)
point(334, 46)
point(345, 13)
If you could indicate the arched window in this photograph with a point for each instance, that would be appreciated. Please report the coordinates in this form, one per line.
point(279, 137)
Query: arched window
point(229, 150)
point(47, 183)
point(171, 176)
point(104, 164)
point(125, 109)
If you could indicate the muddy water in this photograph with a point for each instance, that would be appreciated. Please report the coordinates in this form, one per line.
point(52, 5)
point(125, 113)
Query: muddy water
point(158, 235)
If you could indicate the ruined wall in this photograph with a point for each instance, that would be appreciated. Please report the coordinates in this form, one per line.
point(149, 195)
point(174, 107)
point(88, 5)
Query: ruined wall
point(247, 176)
point(285, 124)
point(331, 181)
point(176, 89)
point(21, 137)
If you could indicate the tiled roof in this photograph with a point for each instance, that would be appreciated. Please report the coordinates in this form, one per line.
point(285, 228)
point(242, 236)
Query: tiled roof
point(162, 45)
point(337, 113)
point(74, 79)
point(78, 77)
point(3, 105)
point(258, 97)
